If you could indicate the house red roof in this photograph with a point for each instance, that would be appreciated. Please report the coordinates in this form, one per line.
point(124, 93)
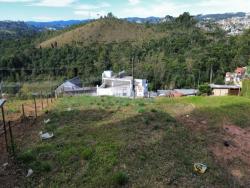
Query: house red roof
point(240, 70)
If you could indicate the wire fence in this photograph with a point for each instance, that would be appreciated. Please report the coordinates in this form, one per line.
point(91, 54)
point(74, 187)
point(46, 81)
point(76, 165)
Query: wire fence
point(19, 116)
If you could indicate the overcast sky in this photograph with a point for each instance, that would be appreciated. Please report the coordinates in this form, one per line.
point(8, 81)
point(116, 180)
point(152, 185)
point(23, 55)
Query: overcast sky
point(48, 10)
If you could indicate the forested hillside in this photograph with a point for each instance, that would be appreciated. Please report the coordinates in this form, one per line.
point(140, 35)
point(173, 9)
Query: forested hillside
point(14, 30)
point(173, 54)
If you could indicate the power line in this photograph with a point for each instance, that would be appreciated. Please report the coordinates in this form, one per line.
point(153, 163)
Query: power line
point(41, 69)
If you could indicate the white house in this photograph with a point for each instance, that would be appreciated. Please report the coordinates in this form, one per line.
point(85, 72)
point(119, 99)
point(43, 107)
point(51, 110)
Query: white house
point(121, 86)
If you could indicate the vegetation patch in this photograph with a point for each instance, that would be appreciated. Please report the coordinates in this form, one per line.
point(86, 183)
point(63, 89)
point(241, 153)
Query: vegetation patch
point(96, 148)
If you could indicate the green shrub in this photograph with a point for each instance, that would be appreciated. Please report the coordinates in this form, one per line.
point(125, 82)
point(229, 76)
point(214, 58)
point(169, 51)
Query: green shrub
point(141, 110)
point(121, 178)
point(87, 153)
point(27, 157)
point(141, 104)
point(146, 120)
point(41, 166)
point(153, 110)
point(205, 90)
point(245, 91)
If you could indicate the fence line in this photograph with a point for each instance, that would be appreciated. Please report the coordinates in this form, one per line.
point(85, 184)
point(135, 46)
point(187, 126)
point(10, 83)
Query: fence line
point(25, 119)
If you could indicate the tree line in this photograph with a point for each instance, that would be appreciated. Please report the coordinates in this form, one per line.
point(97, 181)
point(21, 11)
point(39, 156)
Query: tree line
point(184, 58)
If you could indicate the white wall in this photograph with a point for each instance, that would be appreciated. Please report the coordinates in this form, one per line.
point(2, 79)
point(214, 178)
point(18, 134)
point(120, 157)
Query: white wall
point(220, 92)
point(104, 92)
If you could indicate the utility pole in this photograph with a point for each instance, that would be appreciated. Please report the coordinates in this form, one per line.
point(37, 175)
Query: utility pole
point(133, 81)
point(199, 78)
point(211, 74)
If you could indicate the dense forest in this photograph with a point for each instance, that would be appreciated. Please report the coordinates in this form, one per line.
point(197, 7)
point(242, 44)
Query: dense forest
point(183, 57)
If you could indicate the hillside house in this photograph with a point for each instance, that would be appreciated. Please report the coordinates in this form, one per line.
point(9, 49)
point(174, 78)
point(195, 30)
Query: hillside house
point(236, 77)
point(73, 87)
point(121, 85)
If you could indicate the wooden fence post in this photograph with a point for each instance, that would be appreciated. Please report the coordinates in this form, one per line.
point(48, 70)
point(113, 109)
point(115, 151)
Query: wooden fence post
point(4, 127)
point(42, 104)
point(23, 111)
point(41, 97)
point(35, 106)
point(12, 141)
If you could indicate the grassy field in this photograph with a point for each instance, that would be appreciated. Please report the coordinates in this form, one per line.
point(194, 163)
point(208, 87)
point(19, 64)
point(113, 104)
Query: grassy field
point(112, 142)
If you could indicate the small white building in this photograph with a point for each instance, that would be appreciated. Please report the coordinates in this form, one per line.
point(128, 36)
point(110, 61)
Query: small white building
point(225, 90)
point(121, 86)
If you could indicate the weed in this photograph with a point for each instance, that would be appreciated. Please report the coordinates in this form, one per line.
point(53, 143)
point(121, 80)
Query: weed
point(87, 153)
point(121, 178)
point(153, 110)
point(41, 166)
point(146, 120)
point(27, 157)
point(141, 110)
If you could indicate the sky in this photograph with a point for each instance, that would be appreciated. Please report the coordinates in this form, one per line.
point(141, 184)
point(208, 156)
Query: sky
point(49, 10)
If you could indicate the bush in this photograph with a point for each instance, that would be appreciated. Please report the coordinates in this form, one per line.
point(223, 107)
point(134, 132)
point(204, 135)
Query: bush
point(27, 157)
point(245, 91)
point(121, 178)
point(87, 153)
point(41, 166)
point(141, 110)
point(153, 110)
point(205, 90)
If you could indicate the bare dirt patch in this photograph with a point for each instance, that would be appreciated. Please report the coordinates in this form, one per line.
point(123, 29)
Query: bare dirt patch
point(238, 140)
point(230, 145)
point(234, 152)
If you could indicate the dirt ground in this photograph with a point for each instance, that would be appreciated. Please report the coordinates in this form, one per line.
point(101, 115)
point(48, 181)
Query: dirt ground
point(230, 146)
point(235, 151)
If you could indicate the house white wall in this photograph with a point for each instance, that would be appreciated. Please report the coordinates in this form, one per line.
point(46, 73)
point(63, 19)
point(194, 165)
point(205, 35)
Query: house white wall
point(124, 91)
point(122, 88)
point(220, 92)
point(141, 87)
point(104, 91)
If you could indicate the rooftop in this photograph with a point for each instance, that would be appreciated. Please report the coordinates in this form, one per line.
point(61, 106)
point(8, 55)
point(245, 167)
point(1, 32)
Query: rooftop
point(214, 86)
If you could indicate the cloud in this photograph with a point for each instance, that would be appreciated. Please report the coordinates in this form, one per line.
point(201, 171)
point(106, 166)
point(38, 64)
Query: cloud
point(134, 2)
point(91, 11)
point(44, 18)
point(174, 8)
point(53, 3)
point(215, 6)
point(15, 1)
point(92, 7)
point(157, 9)
point(89, 14)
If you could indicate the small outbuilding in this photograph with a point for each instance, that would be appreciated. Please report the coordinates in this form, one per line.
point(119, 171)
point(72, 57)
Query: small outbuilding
point(74, 87)
point(177, 92)
point(225, 90)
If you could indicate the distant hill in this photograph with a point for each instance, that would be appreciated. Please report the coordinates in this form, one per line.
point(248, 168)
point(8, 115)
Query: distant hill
point(104, 31)
point(56, 25)
point(152, 19)
point(15, 29)
point(217, 17)
point(62, 24)
point(11, 29)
